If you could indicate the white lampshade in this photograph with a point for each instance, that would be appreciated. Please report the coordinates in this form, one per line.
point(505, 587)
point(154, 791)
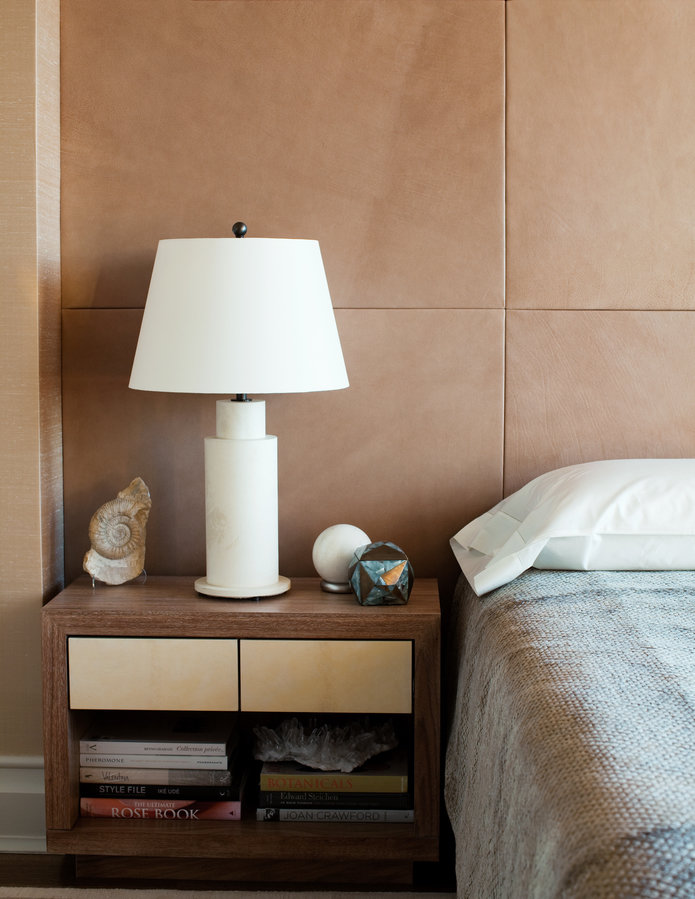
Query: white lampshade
point(229, 315)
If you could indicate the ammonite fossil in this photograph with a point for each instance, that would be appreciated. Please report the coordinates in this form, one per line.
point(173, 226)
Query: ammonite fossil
point(117, 536)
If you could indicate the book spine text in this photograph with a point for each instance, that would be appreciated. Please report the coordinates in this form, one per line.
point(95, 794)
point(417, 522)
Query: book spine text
point(350, 815)
point(159, 809)
point(215, 762)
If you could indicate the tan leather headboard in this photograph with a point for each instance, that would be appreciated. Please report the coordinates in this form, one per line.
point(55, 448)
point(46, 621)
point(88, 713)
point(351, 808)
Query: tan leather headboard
point(503, 193)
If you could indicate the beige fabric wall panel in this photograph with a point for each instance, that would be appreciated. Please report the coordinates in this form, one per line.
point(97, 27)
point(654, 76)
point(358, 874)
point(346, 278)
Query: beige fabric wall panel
point(48, 272)
point(30, 470)
point(587, 385)
point(409, 452)
point(375, 127)
point(600, 175)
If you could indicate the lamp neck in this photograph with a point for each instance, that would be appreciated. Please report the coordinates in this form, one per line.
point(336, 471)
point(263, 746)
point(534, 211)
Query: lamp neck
point(240, 420)
point(241, 398)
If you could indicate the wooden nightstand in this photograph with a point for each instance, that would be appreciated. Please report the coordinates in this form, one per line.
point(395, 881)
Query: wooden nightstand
point(158, 645)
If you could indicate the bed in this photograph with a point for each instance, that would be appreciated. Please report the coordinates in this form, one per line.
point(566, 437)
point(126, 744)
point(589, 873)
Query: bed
point(570, 767)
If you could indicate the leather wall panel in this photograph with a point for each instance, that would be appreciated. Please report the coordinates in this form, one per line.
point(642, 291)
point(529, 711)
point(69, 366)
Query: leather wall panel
point(376, 128)
point(586, 385)
point(600, 192)
point(408, 452)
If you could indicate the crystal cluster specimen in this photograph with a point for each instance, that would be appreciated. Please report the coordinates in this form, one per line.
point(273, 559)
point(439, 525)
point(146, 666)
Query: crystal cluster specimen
point(327, 747)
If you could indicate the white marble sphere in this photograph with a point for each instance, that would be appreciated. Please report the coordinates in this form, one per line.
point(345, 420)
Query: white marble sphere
point(332, 553)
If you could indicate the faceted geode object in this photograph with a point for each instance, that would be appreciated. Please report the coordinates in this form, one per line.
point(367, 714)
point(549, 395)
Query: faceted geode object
point(381, 575)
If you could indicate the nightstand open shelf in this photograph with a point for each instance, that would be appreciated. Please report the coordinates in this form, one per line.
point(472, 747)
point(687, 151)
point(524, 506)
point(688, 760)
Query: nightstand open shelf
point(166, 609)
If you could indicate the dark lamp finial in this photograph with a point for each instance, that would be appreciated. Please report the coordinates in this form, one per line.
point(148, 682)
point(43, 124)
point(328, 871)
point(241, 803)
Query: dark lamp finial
point(239, 229)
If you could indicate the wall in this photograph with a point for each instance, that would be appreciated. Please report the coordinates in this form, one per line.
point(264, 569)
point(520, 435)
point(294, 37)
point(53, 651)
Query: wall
point(600, 232)
point(31, 551)
point(504, 197)
point(503, 194)
point(375, 127)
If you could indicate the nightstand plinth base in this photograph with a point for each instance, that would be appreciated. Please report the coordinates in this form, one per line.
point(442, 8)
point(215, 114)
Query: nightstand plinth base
point(372, 873)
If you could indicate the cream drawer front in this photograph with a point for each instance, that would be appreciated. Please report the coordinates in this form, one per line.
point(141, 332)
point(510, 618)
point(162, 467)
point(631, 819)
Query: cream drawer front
point(326, 676)
point(153, 673)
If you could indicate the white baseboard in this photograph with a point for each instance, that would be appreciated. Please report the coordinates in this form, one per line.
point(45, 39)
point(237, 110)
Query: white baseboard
point(22, 812)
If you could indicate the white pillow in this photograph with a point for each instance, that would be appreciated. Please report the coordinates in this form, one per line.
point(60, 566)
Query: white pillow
point(620, 515)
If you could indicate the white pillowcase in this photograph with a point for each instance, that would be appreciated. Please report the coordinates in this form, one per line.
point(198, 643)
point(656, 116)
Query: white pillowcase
point(619, 515)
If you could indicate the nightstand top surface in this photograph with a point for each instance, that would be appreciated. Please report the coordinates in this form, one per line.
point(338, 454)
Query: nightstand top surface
point(170, 605)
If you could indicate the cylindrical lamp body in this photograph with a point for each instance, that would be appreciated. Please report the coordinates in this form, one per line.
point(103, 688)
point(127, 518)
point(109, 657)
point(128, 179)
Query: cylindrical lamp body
point(241, 512)
point(241, 504)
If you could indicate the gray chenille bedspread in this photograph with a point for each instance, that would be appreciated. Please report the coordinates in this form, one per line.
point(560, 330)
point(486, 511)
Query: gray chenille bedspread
point(570, 768)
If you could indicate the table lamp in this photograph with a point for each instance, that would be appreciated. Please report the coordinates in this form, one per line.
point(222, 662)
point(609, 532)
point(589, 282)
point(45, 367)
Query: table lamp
point(239, 316)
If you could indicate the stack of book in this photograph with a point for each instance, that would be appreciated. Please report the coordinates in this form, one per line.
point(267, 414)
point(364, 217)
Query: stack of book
point(375, 792)
point(178, 768)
